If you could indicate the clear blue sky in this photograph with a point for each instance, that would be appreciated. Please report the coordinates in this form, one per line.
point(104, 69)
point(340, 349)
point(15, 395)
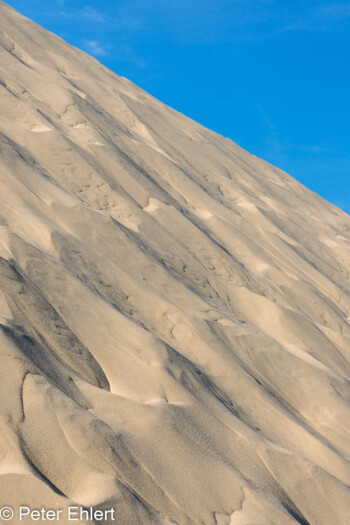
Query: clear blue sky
point(273, 75)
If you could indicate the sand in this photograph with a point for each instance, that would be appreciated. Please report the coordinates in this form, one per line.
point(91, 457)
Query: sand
point(174, 311)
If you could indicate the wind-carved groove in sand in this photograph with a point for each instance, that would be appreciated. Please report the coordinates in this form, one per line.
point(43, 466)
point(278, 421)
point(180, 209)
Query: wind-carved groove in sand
point(46, 326)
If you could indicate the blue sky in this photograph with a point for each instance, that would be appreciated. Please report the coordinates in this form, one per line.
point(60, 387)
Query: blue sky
point(272, 75)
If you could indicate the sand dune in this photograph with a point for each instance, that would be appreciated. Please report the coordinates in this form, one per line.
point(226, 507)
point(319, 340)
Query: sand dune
point(174, 311)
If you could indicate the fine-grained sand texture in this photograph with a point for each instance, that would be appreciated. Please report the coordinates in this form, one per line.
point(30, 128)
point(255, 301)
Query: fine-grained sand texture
point(174, 319)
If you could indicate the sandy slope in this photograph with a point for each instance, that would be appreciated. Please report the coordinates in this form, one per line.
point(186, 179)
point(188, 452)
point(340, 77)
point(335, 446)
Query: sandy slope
point(174, 311)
